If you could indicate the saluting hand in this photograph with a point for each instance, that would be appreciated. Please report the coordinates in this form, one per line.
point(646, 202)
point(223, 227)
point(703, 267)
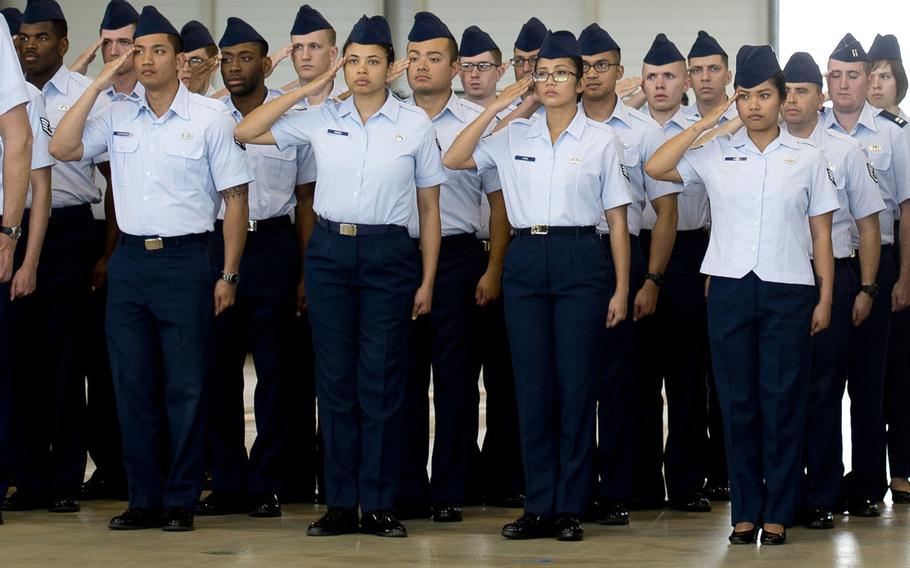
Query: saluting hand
point(224, 296)
point(512, 92)
point(619, 305)
point(397, 69)
point(711, 119)
point(628, 86)
point(423, 301)
point(80, 65)
point(319, 83)
point(279, 56)
point(200, 74)
point(106, 78)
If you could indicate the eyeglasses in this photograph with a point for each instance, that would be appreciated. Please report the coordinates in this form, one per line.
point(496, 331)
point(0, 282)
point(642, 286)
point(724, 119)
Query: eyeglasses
point(520, 61)
point(558, 76)
point(600, 66)
point(483, 66)
point(194, 61)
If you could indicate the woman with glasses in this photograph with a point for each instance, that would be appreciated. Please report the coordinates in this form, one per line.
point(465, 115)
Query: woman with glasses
point(765, 187)
point(561, 174)
point(362, 271)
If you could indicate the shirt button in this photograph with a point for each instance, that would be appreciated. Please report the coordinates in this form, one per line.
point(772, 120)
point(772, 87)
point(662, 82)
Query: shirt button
point(754, 248)
point(148, 173)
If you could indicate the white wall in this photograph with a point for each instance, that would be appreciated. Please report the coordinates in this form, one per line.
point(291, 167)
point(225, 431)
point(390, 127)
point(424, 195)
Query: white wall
point(633, 23)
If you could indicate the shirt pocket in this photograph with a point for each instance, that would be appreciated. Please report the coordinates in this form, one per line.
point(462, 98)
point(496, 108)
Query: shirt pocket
point(279, 166)
point(123, 157)
point(185, 165)
point(880, 160)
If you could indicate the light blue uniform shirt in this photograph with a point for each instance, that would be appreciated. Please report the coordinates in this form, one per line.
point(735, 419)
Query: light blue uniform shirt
point(464, 191)
point(759, 205)
point(12, 83)
point(167, 171)
point(72, 183)
point(857, 190)
point(567, 184)
point(640, 137)
point(41, 135)
point(692, 202)
point(888, 151)
point(137, 94)
point(694, 116)
point(367, 173)
point(277, 172)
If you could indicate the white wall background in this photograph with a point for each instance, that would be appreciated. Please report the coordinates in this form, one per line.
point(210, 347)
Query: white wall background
point(633, 23)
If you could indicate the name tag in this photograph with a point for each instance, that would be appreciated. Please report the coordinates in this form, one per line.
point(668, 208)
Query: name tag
point(735, 158)
point(525, 158)
point(122, 133)
point(338, 132)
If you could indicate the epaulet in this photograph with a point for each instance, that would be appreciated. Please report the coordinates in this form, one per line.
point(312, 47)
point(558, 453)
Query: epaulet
point(806, 142)
point(207, 102)
point(893, 118)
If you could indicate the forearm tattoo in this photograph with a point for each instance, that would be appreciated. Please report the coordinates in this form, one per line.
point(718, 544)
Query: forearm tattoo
point(236, 191)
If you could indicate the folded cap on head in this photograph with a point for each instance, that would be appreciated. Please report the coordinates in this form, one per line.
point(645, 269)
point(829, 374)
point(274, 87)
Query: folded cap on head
point(885, 47)
point(849, 50)
point(152, 22)
point(42, 11)
point(594, 39)
point(663, 52)
point(801, 68)
point(238, 31)
point(13, 19)
point(475, 41)
point(705, 45)
point(428, 26)
point(559, 44)
point(370, 31)
point(755, 64)
point(531, 35)
point(195, 35)
point(118, 14)
point(309, 20)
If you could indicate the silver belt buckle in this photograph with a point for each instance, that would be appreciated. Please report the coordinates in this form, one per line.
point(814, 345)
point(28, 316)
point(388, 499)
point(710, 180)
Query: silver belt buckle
point(540, 229)
point(486, 245)
point(853, 253)
point(347, 229)
point(156, 243)
point(252, 226)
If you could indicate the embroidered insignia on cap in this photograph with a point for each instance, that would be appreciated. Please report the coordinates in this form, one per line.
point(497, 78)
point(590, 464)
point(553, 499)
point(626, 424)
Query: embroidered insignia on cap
point(46, 126)
point(187, 136)
point(872, 174)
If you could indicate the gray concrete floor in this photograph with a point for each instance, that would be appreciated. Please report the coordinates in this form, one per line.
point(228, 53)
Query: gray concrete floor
point(655, 538)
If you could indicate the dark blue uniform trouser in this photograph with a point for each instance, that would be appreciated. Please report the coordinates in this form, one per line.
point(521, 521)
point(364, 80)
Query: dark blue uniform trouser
point(259, 322)
point(361, 292)
point(866, 386)
point(102, 427)
point(897, 384)
point(556, 300)
point(760, 341)
point(160, 315)
point(618, 373)
point(675, 353)
point(7, 353)
point(499, 470)
point(446, 341)
point(824, 445)
point(49, 379)
point(302, 463)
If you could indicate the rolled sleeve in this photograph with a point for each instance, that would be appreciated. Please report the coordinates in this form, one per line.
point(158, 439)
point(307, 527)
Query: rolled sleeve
point(428, 171)
point(306, 165)
point(229, 163)
point(689, 167)
point(654, 188)
point(96, 135)
point(294, 126)
point(489, 180)
point(489, 148)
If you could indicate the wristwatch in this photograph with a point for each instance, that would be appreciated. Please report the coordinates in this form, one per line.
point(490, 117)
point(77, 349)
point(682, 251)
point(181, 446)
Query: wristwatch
point(870, 289)
point(230, 277)
point(12, 232)
point(656, 277)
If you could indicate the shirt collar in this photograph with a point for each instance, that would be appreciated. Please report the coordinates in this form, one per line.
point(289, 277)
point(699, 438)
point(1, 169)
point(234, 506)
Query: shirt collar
point(866, 118)
point(60, 80)
point(390, 108)
point(575, 129)
point(741, 139)
point(179, 106)
point(453, 105)
point(137, 93)
point(229, 102)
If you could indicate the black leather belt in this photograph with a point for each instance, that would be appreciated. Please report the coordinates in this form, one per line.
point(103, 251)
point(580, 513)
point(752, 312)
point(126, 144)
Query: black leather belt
point(158, 243)
point(359, 229)
point(538, 230)
point(263, 225)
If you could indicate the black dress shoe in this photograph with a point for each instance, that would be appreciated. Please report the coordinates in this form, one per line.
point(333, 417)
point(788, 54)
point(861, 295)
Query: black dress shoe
point(864, 508)
point(136, 519)
point(447, 513)
point(223, 503)
point(899, 497)
point(694, 504)
point(21, 501)
point(529, 526)
point(266, 506)
point(772, 538)
point(335, 521)
point(569, 527)
point(1, 518)
point(177, 519)
point(100, 487)
point(716, 492)
point(818, 518)
point(382, 523)
point(64, 506)
point(744, 537)
point(613, 513)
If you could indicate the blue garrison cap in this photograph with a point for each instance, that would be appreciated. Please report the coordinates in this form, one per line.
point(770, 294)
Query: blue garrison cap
point(237, 31)
point(309, 20)
point(594, 39)
point(885, 47)
point(475, 41)
point(195, 35)
point(371, 31)
point(755, 64)
point(849, 50)
point(802, 69)
point(663, 52)
point(152, 22)
point(705, 45)
point(559, 44)
point(428, 26)
point(531, 35)
point(118, 14)
point(13, 19)
point(42, 11)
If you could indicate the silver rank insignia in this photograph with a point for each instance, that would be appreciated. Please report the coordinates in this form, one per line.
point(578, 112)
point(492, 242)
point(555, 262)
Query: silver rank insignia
point(574, 161)
point(790, 161)
point(63, 108)
point(187, 136)
point(399, 138)
point(872, 174)
point(875, 148)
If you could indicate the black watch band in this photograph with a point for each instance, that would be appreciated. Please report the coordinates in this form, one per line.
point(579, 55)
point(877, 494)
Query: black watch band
point(11, 232)
point(870, 289)
point(656, 277)
point(230, 277)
